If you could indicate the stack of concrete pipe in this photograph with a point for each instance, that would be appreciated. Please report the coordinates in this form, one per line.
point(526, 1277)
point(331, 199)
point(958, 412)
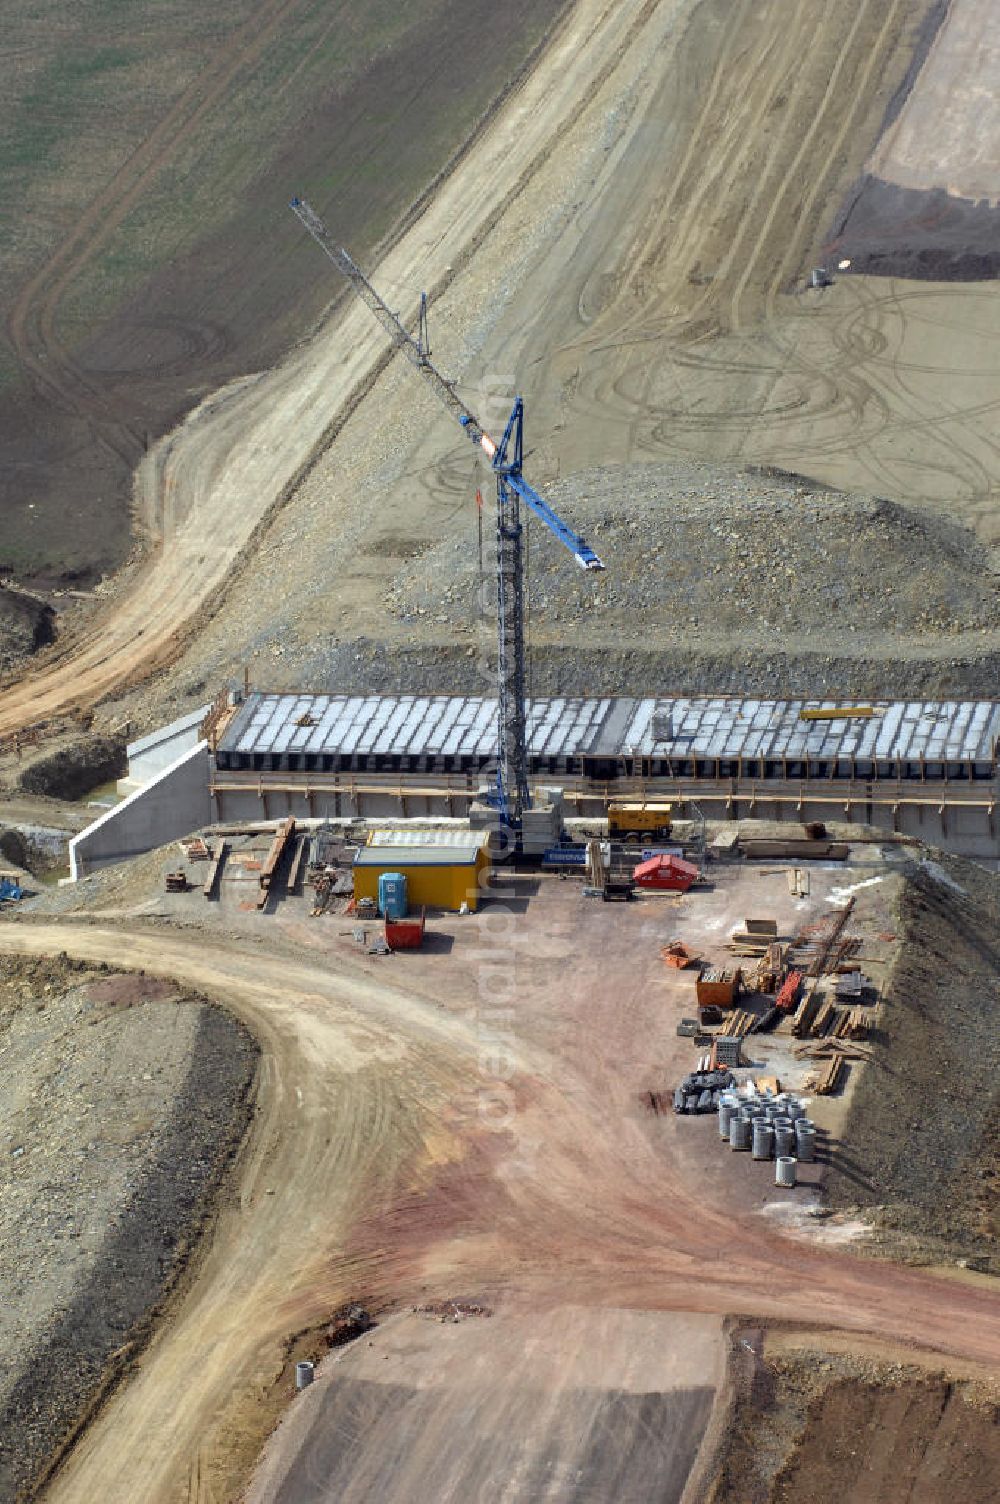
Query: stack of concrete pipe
point(772, 1128)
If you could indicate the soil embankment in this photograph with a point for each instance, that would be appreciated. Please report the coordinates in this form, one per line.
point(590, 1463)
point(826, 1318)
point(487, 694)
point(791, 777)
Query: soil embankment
point(717, 580)
point(28, 624)
point(123, 1101)
point(920, 1150)
point(809, 1422)
point(648, 320)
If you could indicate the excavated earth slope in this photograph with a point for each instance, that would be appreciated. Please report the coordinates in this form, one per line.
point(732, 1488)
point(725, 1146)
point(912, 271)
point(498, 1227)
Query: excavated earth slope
point(920, 1152)
point(122, 1101)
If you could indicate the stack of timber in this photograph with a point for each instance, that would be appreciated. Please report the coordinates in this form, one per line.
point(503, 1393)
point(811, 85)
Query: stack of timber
point(805, 1013)
point(755, 938)
point(738, 1024)
point(282, 836)
point(771, 968)
point(831, 1075)
point(850, 1023)
point(215, 867)
point(825, 1015)
point(298, 860)
point(767, 849)
point(857, 1024)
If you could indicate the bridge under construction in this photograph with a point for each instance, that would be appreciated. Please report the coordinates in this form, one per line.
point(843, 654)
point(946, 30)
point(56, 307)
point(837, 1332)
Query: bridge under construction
point(927, 769)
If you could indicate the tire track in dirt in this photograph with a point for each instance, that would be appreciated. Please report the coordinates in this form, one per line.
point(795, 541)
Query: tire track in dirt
point(776, 54)
point(32, 321)
point(335, 1122)
point(846, 112)
point(218, 480)
point(360, 1080)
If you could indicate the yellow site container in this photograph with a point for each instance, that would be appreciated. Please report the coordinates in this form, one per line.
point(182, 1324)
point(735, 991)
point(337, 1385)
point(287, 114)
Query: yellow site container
point(634, 818)
point(437, 877)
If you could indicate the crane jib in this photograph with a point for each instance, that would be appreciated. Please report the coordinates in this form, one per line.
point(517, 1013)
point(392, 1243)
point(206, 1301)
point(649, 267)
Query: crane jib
point(578, 547)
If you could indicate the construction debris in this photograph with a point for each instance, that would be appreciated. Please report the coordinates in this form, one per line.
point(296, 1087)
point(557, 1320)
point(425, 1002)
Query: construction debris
point(194, 849)
point(176, 882)
point(323, 888)
point(349, 1322)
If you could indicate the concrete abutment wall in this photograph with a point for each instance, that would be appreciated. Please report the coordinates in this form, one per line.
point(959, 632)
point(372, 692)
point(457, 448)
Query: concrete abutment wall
point(172, 804)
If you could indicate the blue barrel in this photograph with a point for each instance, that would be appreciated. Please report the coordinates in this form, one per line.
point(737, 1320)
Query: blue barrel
point(392, 895)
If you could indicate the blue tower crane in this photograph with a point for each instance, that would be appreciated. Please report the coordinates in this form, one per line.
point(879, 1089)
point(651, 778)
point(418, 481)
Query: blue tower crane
point(512, 795)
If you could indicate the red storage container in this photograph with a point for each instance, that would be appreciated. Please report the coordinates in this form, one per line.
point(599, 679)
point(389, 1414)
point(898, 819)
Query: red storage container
point(670, 873)
point(405, 934)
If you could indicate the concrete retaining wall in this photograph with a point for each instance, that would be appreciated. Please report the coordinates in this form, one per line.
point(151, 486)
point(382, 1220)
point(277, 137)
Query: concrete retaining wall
point(173, 803)
point(151, 754)
point(955, 817)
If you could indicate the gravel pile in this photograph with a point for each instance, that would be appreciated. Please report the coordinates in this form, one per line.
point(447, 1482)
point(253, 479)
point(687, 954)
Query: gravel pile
point(718, 581)
point(740, 666)
point(121, 1103)
point(694, 551)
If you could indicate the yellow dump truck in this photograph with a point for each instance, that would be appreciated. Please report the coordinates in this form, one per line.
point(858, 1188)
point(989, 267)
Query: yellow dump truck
point(627, 819)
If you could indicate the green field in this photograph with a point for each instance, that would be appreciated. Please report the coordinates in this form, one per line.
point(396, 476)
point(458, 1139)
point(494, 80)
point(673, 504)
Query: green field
point(147, 154)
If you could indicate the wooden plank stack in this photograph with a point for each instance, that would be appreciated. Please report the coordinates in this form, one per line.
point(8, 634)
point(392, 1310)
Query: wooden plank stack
point(738, 1024)
point(282, 836)
point(214, 868)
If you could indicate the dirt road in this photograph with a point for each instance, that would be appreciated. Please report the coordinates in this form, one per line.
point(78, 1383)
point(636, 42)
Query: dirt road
point(646, 295)
point(623, 241)
point(368, 1170)
point(205, 489)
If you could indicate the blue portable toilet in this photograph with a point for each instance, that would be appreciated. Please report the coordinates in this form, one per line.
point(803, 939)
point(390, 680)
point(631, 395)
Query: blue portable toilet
point(392, 895)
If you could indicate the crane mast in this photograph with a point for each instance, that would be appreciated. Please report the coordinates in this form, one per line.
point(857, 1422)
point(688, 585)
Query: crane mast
point(512, 795)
